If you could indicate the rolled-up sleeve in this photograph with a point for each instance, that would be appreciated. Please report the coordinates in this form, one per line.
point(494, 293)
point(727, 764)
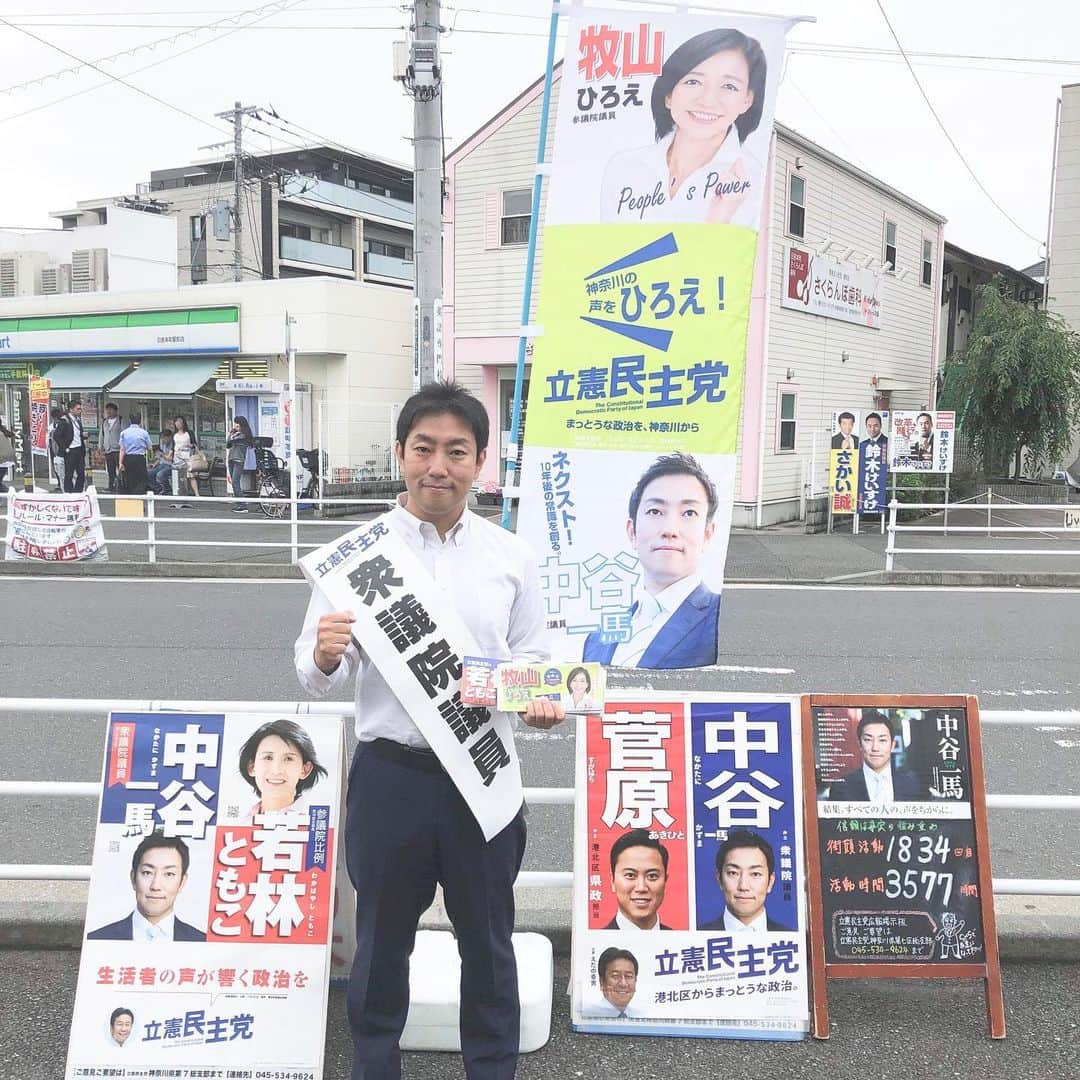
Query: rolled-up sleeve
point(312, 679)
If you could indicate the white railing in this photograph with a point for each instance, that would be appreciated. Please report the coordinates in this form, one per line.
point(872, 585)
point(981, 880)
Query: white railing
point(561, 796)
point(290, 519)
point(988, 529)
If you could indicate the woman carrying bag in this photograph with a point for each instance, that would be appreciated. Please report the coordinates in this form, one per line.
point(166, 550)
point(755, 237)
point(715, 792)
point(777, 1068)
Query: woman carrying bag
point(184, 446)
point(241, 439)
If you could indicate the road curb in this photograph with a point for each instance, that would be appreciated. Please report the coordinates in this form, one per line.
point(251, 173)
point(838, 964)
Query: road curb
point(1029, 927)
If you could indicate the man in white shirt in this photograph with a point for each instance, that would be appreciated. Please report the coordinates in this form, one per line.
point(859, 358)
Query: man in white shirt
point(69, 437)
point(159, 871)
point(617, 970)
point(407, 827)
point(639, 866)
point(674, 621)
point(746, 873)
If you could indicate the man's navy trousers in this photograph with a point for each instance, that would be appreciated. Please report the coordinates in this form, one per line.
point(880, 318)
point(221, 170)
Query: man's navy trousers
point(406, 829)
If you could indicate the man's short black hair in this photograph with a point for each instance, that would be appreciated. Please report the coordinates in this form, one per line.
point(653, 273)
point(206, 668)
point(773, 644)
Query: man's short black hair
point(872, 716)
point(846, 416)
point(674, 465)
point(921, 415)
point(134, 418)
point(160, 840)
point(609, 956)
point(872, 416)
point(117, 1013)
point(637, 838)
point(112, 405)
point(745, 838)
point(56, 412)
point(436, 398)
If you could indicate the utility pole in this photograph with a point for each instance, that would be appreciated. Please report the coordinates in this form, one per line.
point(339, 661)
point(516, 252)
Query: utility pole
point(423, 80)
point(236, 115)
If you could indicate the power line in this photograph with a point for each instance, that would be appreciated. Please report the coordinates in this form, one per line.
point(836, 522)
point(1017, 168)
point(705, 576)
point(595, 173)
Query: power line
point(945, 131)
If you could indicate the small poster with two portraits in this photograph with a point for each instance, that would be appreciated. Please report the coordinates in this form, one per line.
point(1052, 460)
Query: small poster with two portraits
point(689, 914)
point(211, 903)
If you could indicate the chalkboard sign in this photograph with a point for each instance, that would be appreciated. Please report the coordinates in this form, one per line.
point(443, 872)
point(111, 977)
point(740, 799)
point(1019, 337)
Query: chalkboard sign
point(900, 882)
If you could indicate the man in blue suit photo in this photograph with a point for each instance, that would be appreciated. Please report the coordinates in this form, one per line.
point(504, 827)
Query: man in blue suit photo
point(877, 780)
point(746, 873)
point(159, 870)
point(675, 617)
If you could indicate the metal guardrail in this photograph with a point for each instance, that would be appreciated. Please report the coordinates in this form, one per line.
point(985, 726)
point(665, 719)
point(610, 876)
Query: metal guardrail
point(944, 529)
point(535, 796)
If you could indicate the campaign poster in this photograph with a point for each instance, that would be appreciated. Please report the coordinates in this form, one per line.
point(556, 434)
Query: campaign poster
point(39, 417)
point(689, 914)
point(658, 185)
point(874, 464)
point(898, 848)
point(831, 288)
point(55, 528)
point(208, 920)
point(922, 441)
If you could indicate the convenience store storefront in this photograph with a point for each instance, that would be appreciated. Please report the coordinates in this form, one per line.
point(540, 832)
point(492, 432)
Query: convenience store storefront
point(162, 363)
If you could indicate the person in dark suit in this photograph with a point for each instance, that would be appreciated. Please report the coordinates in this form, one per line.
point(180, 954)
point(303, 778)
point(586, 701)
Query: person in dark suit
point(71, 439)
point(159, 870)
point(874, 436)
point(845, 438)
point(639, 867)
point(674, 620)
point(922, 448)
point(746, 873)
point(877, 780)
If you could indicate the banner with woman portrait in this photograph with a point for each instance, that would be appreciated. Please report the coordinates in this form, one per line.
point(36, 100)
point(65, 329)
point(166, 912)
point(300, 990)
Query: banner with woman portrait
point(659, 182)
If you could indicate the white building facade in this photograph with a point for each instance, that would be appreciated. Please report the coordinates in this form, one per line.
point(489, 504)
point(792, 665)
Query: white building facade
point(801, 366)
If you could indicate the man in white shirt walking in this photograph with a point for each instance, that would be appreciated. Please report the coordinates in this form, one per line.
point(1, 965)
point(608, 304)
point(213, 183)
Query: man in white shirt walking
point(407, 827)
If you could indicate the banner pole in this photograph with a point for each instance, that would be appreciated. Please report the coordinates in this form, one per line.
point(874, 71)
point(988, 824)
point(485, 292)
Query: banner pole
point(511, 478)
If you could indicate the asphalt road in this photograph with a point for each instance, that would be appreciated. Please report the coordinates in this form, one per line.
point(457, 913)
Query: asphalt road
point(888, 1030)
point(85, 638)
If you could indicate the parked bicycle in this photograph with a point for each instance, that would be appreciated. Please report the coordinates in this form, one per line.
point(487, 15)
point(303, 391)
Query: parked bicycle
point(271, 479)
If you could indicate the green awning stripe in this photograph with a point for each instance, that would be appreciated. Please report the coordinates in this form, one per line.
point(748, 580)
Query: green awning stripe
point(175, 317)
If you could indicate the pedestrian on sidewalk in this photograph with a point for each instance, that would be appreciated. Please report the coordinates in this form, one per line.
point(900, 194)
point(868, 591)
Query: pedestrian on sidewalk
point(72, 441)
point(135, 447)
point(183, 447)
point(109, 442)
point(241, 439)
point(407, 827)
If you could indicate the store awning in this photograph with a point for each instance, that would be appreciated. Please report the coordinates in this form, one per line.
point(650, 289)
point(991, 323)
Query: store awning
point(85, 374)
point(166, 379)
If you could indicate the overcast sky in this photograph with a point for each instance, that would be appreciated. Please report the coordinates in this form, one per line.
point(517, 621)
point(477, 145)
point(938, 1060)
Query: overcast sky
point(326, 65)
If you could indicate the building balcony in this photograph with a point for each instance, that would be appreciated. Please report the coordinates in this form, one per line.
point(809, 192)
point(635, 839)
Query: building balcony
point(386, 266)
point(327, 195)
point(329, 256)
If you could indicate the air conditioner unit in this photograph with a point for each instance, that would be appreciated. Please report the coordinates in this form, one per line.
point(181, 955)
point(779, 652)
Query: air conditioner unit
point(20, 273)
point(56, 279)
point(90, 270)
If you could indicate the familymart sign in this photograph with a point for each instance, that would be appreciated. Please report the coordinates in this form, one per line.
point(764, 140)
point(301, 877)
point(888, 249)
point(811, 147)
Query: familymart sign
point(134, 333)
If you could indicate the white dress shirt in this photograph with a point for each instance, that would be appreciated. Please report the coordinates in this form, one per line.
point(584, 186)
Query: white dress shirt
point(142, 930)
point(649, 618)
point(641, 169)
point(76, 433)
point(878, 784)
point(735, 925)
point(490, 577)
point(623, 923)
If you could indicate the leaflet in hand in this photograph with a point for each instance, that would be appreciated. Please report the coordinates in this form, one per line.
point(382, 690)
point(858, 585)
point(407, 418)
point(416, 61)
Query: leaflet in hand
point(510, 687)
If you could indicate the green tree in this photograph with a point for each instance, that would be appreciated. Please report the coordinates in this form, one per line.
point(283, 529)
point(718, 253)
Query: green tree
point(1015, 386)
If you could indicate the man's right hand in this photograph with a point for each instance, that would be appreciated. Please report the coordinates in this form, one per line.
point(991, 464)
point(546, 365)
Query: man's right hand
point(334, 635)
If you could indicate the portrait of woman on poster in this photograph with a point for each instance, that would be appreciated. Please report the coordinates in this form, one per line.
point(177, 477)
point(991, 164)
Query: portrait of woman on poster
point(578, 697)
point(707, 100)
point(278, 760)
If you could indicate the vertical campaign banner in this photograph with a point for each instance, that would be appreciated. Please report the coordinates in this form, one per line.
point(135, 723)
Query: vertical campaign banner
point(874, 464)
point(208, 919)
point(39, 416)
point(659, 181)
point(689, 914)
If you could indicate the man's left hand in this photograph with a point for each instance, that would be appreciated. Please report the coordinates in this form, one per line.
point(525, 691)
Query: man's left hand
point(544, 713)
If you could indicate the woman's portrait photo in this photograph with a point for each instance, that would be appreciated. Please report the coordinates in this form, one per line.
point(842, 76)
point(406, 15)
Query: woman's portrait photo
point(279, 761)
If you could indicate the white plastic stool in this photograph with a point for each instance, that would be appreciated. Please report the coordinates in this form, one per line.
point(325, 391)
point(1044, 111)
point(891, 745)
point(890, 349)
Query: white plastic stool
point(435, 992)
